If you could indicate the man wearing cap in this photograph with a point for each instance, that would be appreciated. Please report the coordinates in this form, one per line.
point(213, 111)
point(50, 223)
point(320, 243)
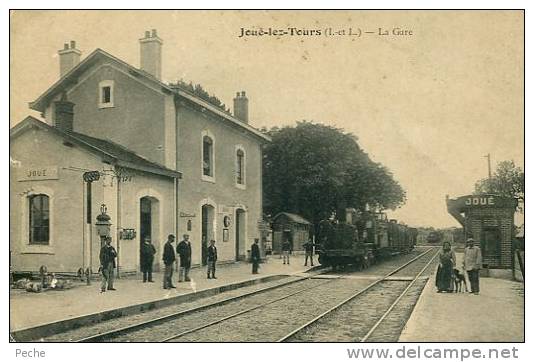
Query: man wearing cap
point(255, 256)
point(168, 259)
point(212, 259)
point(147, 259)
point(286, 250)
point(308, 246)
point(107, 264)
point(472, 264)
point(184, 249)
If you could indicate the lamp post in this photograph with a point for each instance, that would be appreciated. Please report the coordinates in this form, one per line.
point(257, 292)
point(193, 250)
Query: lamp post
point(103, 224)
point(88, 178)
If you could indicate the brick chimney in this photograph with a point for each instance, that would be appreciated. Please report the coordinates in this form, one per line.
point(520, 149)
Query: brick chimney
point(241, 106)
point(69, 57)
point(64, 114)
point(151, 53)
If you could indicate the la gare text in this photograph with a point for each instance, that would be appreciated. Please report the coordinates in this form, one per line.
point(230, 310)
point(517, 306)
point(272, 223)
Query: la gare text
point(315, 32)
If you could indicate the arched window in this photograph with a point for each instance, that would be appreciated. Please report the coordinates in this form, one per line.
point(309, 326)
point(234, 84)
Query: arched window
point(240, 167)
point(39, 219)
point(207, 156)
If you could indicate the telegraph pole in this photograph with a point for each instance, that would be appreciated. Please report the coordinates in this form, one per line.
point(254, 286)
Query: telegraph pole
point(489, 172)
point(489, 165)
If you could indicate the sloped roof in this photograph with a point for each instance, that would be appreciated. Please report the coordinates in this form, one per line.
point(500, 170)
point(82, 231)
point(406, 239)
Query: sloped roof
point(110, 151)
point(293, 217)
point(72, 76)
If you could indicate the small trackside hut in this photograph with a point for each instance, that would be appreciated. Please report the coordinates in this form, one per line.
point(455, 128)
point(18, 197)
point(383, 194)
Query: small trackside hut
point(489, 220)
point(292, 227)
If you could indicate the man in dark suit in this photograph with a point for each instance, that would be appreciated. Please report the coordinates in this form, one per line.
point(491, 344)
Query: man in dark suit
point(107, 264)
point(168, 259)
point(308, 247)
point(212, 259)
point(255, 256)
point(184, 249)
point(286, 250)
point(147, 259)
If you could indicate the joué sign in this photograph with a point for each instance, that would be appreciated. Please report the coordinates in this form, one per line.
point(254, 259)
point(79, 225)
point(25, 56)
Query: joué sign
point(487, 201)
point(38, 173)
point(480, 200)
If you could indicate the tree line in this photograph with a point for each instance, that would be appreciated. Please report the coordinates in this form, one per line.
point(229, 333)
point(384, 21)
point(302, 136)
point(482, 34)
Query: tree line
point(507, 181)
point(315, 170)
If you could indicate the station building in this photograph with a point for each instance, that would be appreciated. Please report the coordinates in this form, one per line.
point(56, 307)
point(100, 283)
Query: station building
point(52, 215)
point(489, 220)
point(170, 162)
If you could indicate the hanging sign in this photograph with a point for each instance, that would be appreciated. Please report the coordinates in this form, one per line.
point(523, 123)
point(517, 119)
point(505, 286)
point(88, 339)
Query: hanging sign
point(185, 214)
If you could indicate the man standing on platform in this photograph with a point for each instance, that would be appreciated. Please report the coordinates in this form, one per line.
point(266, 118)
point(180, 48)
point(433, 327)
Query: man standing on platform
point(472, 264)
point(168, 259)
point(184, 249)
point(308, 246)
point(147, 259)
point(286, 249)
point(107, 264)
point(255, 256)
point(212, 259)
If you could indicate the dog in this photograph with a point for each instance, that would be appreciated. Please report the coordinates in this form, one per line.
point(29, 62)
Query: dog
point(459, 281)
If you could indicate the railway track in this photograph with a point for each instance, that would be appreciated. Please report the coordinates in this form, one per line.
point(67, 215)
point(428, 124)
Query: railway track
point(118, 333)
point(342, 320)
point(247, 316)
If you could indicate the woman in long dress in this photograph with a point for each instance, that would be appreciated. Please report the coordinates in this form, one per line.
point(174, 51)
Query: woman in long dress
point(447, 262)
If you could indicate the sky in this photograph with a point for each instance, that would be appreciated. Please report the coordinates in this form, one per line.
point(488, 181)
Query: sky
point(429, 106)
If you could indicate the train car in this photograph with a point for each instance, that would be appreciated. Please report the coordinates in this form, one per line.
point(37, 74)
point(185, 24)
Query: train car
point(412, 234)
point(362, 239)
point(393, 235)
point(401, 237)
point(340, 244)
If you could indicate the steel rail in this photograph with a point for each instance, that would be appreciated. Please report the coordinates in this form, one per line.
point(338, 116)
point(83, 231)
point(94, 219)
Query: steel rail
point(176, 336)
point(121, 330)
point(220, 320)
point(345, 301)
point(384, 316)
point(158, 320)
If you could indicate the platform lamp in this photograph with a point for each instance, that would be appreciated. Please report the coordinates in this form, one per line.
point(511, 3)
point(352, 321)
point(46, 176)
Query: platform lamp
point(103, 224)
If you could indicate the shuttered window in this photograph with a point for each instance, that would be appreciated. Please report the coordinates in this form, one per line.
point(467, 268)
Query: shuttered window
point(240, 167)
point(39, 219)
point(207, 156)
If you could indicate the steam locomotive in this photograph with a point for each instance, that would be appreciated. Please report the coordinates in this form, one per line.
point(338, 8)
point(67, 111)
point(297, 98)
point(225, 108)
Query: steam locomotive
point(362, 239)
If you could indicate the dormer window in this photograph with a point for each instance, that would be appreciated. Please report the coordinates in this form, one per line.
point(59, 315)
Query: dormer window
point(105, 94)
